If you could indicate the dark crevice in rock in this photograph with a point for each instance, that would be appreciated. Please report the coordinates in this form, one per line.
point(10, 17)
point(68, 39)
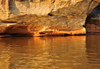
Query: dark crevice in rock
point(50, 14)
point(3, 33)
point(79, 34)
point(66, 35)
point(83, 25)
point(41, 33)
point(53, 1)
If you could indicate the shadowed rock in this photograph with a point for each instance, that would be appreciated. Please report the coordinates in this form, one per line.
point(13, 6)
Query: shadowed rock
point(93, 21)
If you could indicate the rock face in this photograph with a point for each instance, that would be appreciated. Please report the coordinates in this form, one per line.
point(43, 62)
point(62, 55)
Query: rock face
point(45, 17)
point(93, 21)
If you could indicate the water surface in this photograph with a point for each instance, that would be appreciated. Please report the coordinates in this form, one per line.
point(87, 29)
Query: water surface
point(71, 52)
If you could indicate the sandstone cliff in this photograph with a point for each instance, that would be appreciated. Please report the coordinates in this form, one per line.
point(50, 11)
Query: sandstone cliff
point(45, 17)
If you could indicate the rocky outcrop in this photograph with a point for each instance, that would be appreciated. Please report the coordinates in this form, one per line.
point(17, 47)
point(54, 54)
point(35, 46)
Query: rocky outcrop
point(45, 17)
point(93, 21)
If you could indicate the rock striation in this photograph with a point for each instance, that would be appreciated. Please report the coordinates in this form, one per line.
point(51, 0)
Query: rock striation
point(44, 17)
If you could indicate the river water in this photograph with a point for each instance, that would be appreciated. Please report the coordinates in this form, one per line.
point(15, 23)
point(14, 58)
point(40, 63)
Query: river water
point(70, 52)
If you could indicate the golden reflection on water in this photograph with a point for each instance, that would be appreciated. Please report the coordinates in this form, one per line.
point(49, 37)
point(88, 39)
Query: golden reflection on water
point(71, 52)
point(93, 50)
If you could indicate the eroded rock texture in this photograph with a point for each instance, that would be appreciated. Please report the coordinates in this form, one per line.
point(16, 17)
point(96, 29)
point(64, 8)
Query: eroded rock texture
point(45, 17)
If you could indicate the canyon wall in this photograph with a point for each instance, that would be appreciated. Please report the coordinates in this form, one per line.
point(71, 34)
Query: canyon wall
point(49, 17)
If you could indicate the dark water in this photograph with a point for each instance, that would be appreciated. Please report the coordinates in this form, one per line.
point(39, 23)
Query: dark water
point(71, 52)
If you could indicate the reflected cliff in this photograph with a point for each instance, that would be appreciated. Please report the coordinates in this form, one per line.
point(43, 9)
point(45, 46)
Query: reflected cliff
point(93, 50)
point(72, 52)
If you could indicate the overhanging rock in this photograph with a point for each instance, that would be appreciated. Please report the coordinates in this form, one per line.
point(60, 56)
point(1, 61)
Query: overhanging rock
point(46, 17)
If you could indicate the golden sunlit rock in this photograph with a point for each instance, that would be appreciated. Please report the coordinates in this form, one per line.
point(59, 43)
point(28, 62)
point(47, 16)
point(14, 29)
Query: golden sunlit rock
point(44, 17)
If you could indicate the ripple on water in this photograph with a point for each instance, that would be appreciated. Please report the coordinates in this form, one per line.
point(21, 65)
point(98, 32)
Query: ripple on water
point(72, 52)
